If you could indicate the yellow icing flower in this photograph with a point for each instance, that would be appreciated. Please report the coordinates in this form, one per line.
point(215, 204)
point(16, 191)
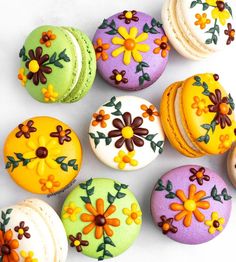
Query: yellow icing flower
point(130, 44)
point(71, 212)
point(200, 105)
point(225, 143)
point(49, 94)
point(134, 215)
point(123, 159)
point(28, 257)
point(21, 76)
point(219, 12)
point(215, 224)
point(42, 154)
point(202, 20)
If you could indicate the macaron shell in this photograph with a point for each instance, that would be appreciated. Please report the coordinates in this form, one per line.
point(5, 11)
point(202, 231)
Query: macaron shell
point(50, 173)
point(231, 165)
point(198, 94)
point(122, 234)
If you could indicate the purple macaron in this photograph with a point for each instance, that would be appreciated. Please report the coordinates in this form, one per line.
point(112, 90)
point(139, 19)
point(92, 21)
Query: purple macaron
point(191, 204)
point(132, 50)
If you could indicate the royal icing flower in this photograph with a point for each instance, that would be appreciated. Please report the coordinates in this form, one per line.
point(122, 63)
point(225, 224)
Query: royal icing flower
point(100, 49)
point(215, 224)
point(49, 94)
point(25, 130)
point(22, 230)
point(221, 107)
point(8, 247)
point(124, 159)
point(200, 105)
point(149, 112)
point(190, 205)
point(99, 219)
point(71, 212)
point(37, 67)
point(163, 46)
point(130, 44)
point(49, 184)
point(42, 154)
point(128, 16)
point(219, 12)
point(119, 77)
point(225, 143)
point(167, 226)
point(47, 38)
point(199, 175)
point(202, 20)
point(22, 77)
point(28, 256)
point(134, 214)
point(230, 32)
point(62, 135)
point(100, 118)
point(77, 242)
point(129, 131)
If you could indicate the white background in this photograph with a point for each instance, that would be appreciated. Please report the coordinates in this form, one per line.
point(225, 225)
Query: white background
point(17, 19)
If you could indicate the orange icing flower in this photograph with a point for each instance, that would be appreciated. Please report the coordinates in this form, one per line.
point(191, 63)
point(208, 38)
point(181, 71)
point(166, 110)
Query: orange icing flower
point(225, 143)
point(202, 20)
point(21, 76)
point(100, 118)
point(163, 46)
point(49, 184)
point(149, 112)
point(99, 219)
point(200, 105)
point(190, 206)
point(47, 37)
point(100, 49)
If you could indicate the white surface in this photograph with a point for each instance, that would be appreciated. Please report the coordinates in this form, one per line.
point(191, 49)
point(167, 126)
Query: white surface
point(17, 19)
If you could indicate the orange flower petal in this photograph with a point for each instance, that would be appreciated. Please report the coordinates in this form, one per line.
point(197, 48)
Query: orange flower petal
point(145, 114)
point(88, 228)
point(198, 215)
point(151, 118)
point(5, 259)
point(110, 211)
point(98, 55)
point(203, 204)
point(192, 191)
point(99, 41)
point(188, 219)
point(108, 230)
point(144, 107)
point(95, 123)
point(176, 207)
point(103, 124)
point(1, 237)
point(157, 50)
point(180, 215)
point(98, 232)
point(105, 46)
point(106, 117)
point(91, 209)
point(14, 244)
point(8, 235)
point(200, 194)
point(157, 41)
point(115, 222)
point(102, 112)
point(104, 56)
point(87, 217)
point(100, 206)
point(180, 194)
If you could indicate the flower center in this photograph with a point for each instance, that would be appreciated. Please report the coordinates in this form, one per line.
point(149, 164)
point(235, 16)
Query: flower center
point(46, 38)
point(149, 111)
point(129, 44)
point(99, 49)
point(28, 259)
point(127, 132)
point(49, 184)
point(199, 174)
point(166, 227)
point(224, 108)
point(126, 159)
point(134, 215)
point(34, 66)
point(220, 5)
point(6, 250)
point(100, 221)
point(62, 133)
point(25, 129)
point(227, 144)
point(20, 76)
point(47, 94)
point(99, 118)
point(76, 243)
point(163, 45)
point(128, 15)
point(201, 105)
point(119, 77)
point(21, 231)
point(42, 152)
point(190, 205)
point(232, 33)
point(216, 224)
point(69, 211)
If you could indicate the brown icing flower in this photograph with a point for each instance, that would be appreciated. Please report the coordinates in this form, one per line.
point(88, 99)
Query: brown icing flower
point(61, 134)
point(22, 230)
point(77, 242)
point(47, 38)
point(199, 175)
point(25, 130)
point(128, 16)
point(118, 77)
point(230, 32)
point(100, 49)
point(37, 67)
point(167, 226)
point(100, 118)
point(129, 131)
point(221, 107)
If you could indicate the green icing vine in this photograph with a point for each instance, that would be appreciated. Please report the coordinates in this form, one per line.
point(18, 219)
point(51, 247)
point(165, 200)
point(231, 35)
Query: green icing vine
point(103, 247)
point(155, 145)
point(117, 106)
point(89, 191)
point(105, 24)
point(64, 166)
point(5, 219)
point(198, 82)
point(145, 76)
point(168, 188)
point(55, 60)
point(22, 55)
point(101, 136)
point(153, 28)
point(14, 163)
point(208, 127)
point(218, 197)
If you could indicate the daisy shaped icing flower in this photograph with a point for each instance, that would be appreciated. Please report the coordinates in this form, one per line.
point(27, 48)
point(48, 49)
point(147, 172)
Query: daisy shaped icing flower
point(134, 214)
point(215, 224)
point(219, 12)
point(124, 159)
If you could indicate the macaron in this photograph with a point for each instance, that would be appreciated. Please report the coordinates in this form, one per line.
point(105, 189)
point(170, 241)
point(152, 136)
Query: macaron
point(32, 231)
point(43, 155)
point(197, 29)
point(58, 64)
point(102, 218)
point(125, 133)
point(191, 204)
point(131, 49)
point(197, 116)
point(231, 164)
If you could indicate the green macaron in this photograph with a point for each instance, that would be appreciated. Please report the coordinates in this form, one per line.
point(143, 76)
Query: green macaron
point(58, 64)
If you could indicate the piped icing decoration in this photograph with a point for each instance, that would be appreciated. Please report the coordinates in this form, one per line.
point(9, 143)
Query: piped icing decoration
point(62, 135)
point(225, 143)
point(100, 49)
point(123, 159)
point(230, 32)
point(162, 46)
point(100, 118)
point(167, 226)
point(22, 231)
point(22, 77)
point(119, 77)
point(77, 242)
point(47, 38)
point(129, 16)
point(149, 112)
point(71, 212)
point(26, 129)
point(50, 95)
point(200, 106)
point(202, 20)
point(49, 185)
point(133, 214)
point(199, 175)
point(28, 256)
point(215, 224)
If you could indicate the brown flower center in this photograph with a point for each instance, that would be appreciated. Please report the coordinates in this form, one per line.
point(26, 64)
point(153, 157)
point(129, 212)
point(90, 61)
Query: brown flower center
point(216, 224)
point(163, 45)
point(150, 112)
point(100, 220)
point(166, 227)
point(46, 38)
point(99, 49)
point(42, 152)
point(129, 44)
point(224, 108)
point(220, 5)
point(216, 77)
point(99, 118)
point(6, 250)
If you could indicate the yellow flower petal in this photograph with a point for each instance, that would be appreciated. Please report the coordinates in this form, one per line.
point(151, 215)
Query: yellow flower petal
point(117, 159)
point(73, 217)
point(126, 211)
point(66, 215)
point(138, 221)
point(29, 155)
point(142, 47)
point(221, 220)
point(137, 56)
point(134, 207)
point(51, 144)
point(118, 51)
point(123, 32)
point(23, 253)
point(212, 230)
point(127, 57)
point(211, 2)
point(131, 154)
point(129, 221)
point(220, 228)
point(121, 153)
point(51, 163)
point(133, 162)
point(33, 163)
point(142, 37)
point(117, 41)
point(133, 32)
point(208, 223)
point(42, 141)
point(31, 145)
point(72, 205)
point(41, 167)
point(121, 165)
point(214, 216)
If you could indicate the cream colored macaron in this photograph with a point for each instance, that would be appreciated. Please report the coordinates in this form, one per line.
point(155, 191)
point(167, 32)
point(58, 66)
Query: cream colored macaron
point(231, 165)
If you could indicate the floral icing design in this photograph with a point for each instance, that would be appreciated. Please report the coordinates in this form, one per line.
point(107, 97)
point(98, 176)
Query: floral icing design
point(230, 32)
point(149, 112)
point(25, 130)
point(225, 143)
point(200, 105)
point(199, 175)
point(215, 224)
point(22, 77)
point(78, 242)
point(50, 95)
point(47, 38)
point(100, 118)
point(220, 13)
point(71, 211)
point(100, 49)
point(133, 214)
point(22, 231)
point(129, 16)
point(49, 185)
point(167, 226)
point(28, 256)
point(162, 46)
point(119, 77)
point(8, 247)
point(62, 135)
point(123, 159)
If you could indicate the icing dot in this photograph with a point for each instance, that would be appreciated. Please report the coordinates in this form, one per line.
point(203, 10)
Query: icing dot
point(201, 105)
point(62, 133)
point(76, 243)
point(166, 227)
point(224, 108)
point(99, 118)
point(49, 184)
point(21, 231)
point(34, 66)
point(42, 152)
point(128, 15)
point(126, 159)
point(6, 250)
point(127, 132)
point(100, 220)
point(216, 224)
point(199, 174)
point(119, 77)
point(25, 129)
point(134, 215)
point(190, 205)
point(129, 44)
point(163, 45)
